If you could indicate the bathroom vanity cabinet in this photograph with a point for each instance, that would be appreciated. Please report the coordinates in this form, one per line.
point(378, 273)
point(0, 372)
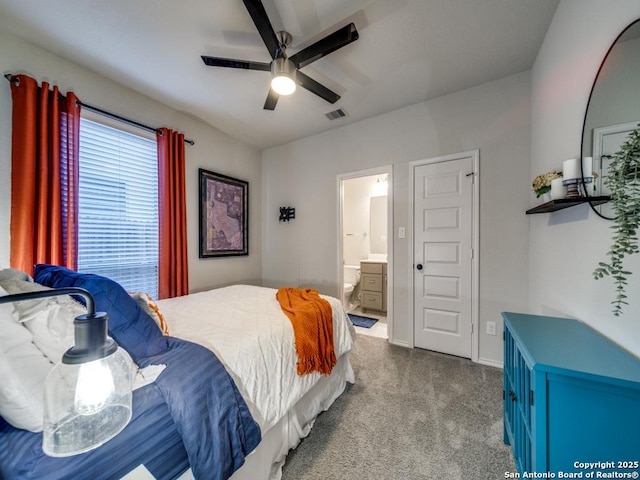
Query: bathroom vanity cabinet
point(373, 281)
point(570, 396)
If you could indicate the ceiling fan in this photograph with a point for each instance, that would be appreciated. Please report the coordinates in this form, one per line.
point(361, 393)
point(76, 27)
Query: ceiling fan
point(285, 71)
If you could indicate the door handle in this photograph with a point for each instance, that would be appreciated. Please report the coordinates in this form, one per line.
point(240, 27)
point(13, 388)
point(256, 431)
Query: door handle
point(419, 266)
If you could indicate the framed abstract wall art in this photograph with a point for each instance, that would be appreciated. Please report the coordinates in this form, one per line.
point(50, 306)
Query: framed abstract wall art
point(224, 215)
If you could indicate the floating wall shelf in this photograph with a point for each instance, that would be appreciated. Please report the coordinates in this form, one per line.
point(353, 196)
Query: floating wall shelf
point(563, 203)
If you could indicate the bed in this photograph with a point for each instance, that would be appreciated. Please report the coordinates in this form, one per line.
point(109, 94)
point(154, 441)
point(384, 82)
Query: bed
point(241, 335)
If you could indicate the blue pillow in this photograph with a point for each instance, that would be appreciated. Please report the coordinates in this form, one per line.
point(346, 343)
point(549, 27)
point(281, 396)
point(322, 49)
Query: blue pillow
point(129, 325)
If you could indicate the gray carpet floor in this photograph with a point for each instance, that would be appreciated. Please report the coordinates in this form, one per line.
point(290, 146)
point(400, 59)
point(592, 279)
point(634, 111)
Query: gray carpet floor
point(412, 414)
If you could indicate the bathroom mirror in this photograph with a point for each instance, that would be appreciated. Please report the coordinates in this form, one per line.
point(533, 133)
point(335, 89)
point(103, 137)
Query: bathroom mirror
point(378, 224)
point(613, 109)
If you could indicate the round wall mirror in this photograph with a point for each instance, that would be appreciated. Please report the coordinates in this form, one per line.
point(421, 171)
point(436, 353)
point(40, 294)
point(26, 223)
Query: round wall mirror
point(613, 111)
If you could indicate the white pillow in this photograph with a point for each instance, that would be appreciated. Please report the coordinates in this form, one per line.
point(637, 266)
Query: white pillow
point(14, 274)
point(52, 330)
point(23, 370)
point(49, 319)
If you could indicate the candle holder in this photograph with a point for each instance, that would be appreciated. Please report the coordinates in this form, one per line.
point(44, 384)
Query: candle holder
point(576, 186)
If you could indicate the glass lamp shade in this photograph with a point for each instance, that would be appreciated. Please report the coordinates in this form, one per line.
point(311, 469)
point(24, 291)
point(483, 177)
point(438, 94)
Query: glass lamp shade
point(86, 404)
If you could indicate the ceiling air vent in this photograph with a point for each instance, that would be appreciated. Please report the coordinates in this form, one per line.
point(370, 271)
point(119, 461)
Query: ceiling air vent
point(339, 113)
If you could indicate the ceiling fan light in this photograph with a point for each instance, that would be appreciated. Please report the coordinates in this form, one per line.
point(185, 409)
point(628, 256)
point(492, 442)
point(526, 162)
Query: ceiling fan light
point(283, 81)
point(283, 85)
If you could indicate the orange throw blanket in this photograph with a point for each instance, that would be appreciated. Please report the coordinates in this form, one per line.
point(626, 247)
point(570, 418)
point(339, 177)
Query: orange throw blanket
point(312, 322)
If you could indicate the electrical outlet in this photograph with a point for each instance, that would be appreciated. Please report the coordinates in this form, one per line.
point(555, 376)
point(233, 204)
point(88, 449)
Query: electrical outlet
point(491, 328)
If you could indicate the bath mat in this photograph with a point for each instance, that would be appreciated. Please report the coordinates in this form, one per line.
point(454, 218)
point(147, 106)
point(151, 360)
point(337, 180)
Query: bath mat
point(360, 321)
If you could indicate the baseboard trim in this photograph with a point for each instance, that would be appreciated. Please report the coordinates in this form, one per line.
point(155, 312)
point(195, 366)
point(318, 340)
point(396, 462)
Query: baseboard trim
point(400, 344)
point(490, 363)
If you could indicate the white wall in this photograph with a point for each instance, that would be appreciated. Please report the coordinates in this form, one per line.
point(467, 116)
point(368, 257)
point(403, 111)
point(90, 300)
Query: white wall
point(357, 241)
point(565, 246)
point(355, 219)
point(213, 150)
point(494, 118)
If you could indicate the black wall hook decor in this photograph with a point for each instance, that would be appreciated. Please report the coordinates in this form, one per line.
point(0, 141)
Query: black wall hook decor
point(287, 213)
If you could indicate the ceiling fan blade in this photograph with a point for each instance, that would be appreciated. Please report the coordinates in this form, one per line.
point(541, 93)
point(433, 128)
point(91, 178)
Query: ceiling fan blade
point(325, 46)
point(259, 16)
point(272, 99)
point(232, 63)
point(314, 87)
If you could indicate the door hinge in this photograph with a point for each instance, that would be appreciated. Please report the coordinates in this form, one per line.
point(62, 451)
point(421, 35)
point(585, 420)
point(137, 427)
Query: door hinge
point(531, 397)
point(472, 254)
point(472, 175)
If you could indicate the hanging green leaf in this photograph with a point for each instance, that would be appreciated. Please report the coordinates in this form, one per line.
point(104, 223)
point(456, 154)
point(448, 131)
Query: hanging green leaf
point(623, 181)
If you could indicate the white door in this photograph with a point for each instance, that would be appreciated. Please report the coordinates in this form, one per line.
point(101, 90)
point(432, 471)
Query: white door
point(443, 256)
point(606, 142)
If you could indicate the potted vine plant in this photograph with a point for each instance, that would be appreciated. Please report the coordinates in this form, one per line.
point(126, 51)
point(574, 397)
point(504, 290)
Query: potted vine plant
point(623, 181)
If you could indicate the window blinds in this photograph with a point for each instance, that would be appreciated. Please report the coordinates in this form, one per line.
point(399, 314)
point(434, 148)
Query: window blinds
point(118, 207)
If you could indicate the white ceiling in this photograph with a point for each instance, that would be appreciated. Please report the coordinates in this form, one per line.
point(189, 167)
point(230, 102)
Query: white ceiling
point(409, 51)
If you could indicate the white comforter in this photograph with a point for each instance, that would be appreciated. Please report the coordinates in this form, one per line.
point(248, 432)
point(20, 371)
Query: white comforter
point(246, 328)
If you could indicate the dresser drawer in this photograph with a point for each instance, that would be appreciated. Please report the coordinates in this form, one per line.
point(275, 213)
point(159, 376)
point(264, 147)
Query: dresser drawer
point(372, 300)
point(371, 283)
point(367, 267)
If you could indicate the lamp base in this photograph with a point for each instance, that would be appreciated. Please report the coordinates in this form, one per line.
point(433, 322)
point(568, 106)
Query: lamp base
point(82, 433)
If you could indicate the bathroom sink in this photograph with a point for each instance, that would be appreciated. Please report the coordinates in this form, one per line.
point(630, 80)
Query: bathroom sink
point(377, 257)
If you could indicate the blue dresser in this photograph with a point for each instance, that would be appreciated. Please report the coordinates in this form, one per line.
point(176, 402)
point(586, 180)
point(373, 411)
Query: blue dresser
point(570, 397)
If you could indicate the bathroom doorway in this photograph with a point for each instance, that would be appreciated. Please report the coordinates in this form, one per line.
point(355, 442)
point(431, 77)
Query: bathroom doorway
point(365, 244)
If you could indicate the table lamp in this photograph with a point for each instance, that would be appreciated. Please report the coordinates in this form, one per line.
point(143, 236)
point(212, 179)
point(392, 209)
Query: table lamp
point(87, 396)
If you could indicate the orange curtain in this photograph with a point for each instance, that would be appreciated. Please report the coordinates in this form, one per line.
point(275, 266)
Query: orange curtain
point(173, 278)
point(44, 175)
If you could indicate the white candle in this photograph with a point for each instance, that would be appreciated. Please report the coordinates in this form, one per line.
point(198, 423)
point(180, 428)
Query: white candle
point(570, 169)
point(587, 167)
point(558, 190)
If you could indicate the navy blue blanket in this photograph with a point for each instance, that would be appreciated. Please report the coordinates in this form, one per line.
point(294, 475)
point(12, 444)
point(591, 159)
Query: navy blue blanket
point(213, 419)
point(150, 438)
point(193, 405)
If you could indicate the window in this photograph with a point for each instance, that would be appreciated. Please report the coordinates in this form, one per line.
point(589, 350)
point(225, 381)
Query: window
point(118, 206)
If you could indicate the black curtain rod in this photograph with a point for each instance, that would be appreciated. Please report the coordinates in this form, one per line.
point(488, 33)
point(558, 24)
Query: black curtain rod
point(11, 77)
point(124, 119)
